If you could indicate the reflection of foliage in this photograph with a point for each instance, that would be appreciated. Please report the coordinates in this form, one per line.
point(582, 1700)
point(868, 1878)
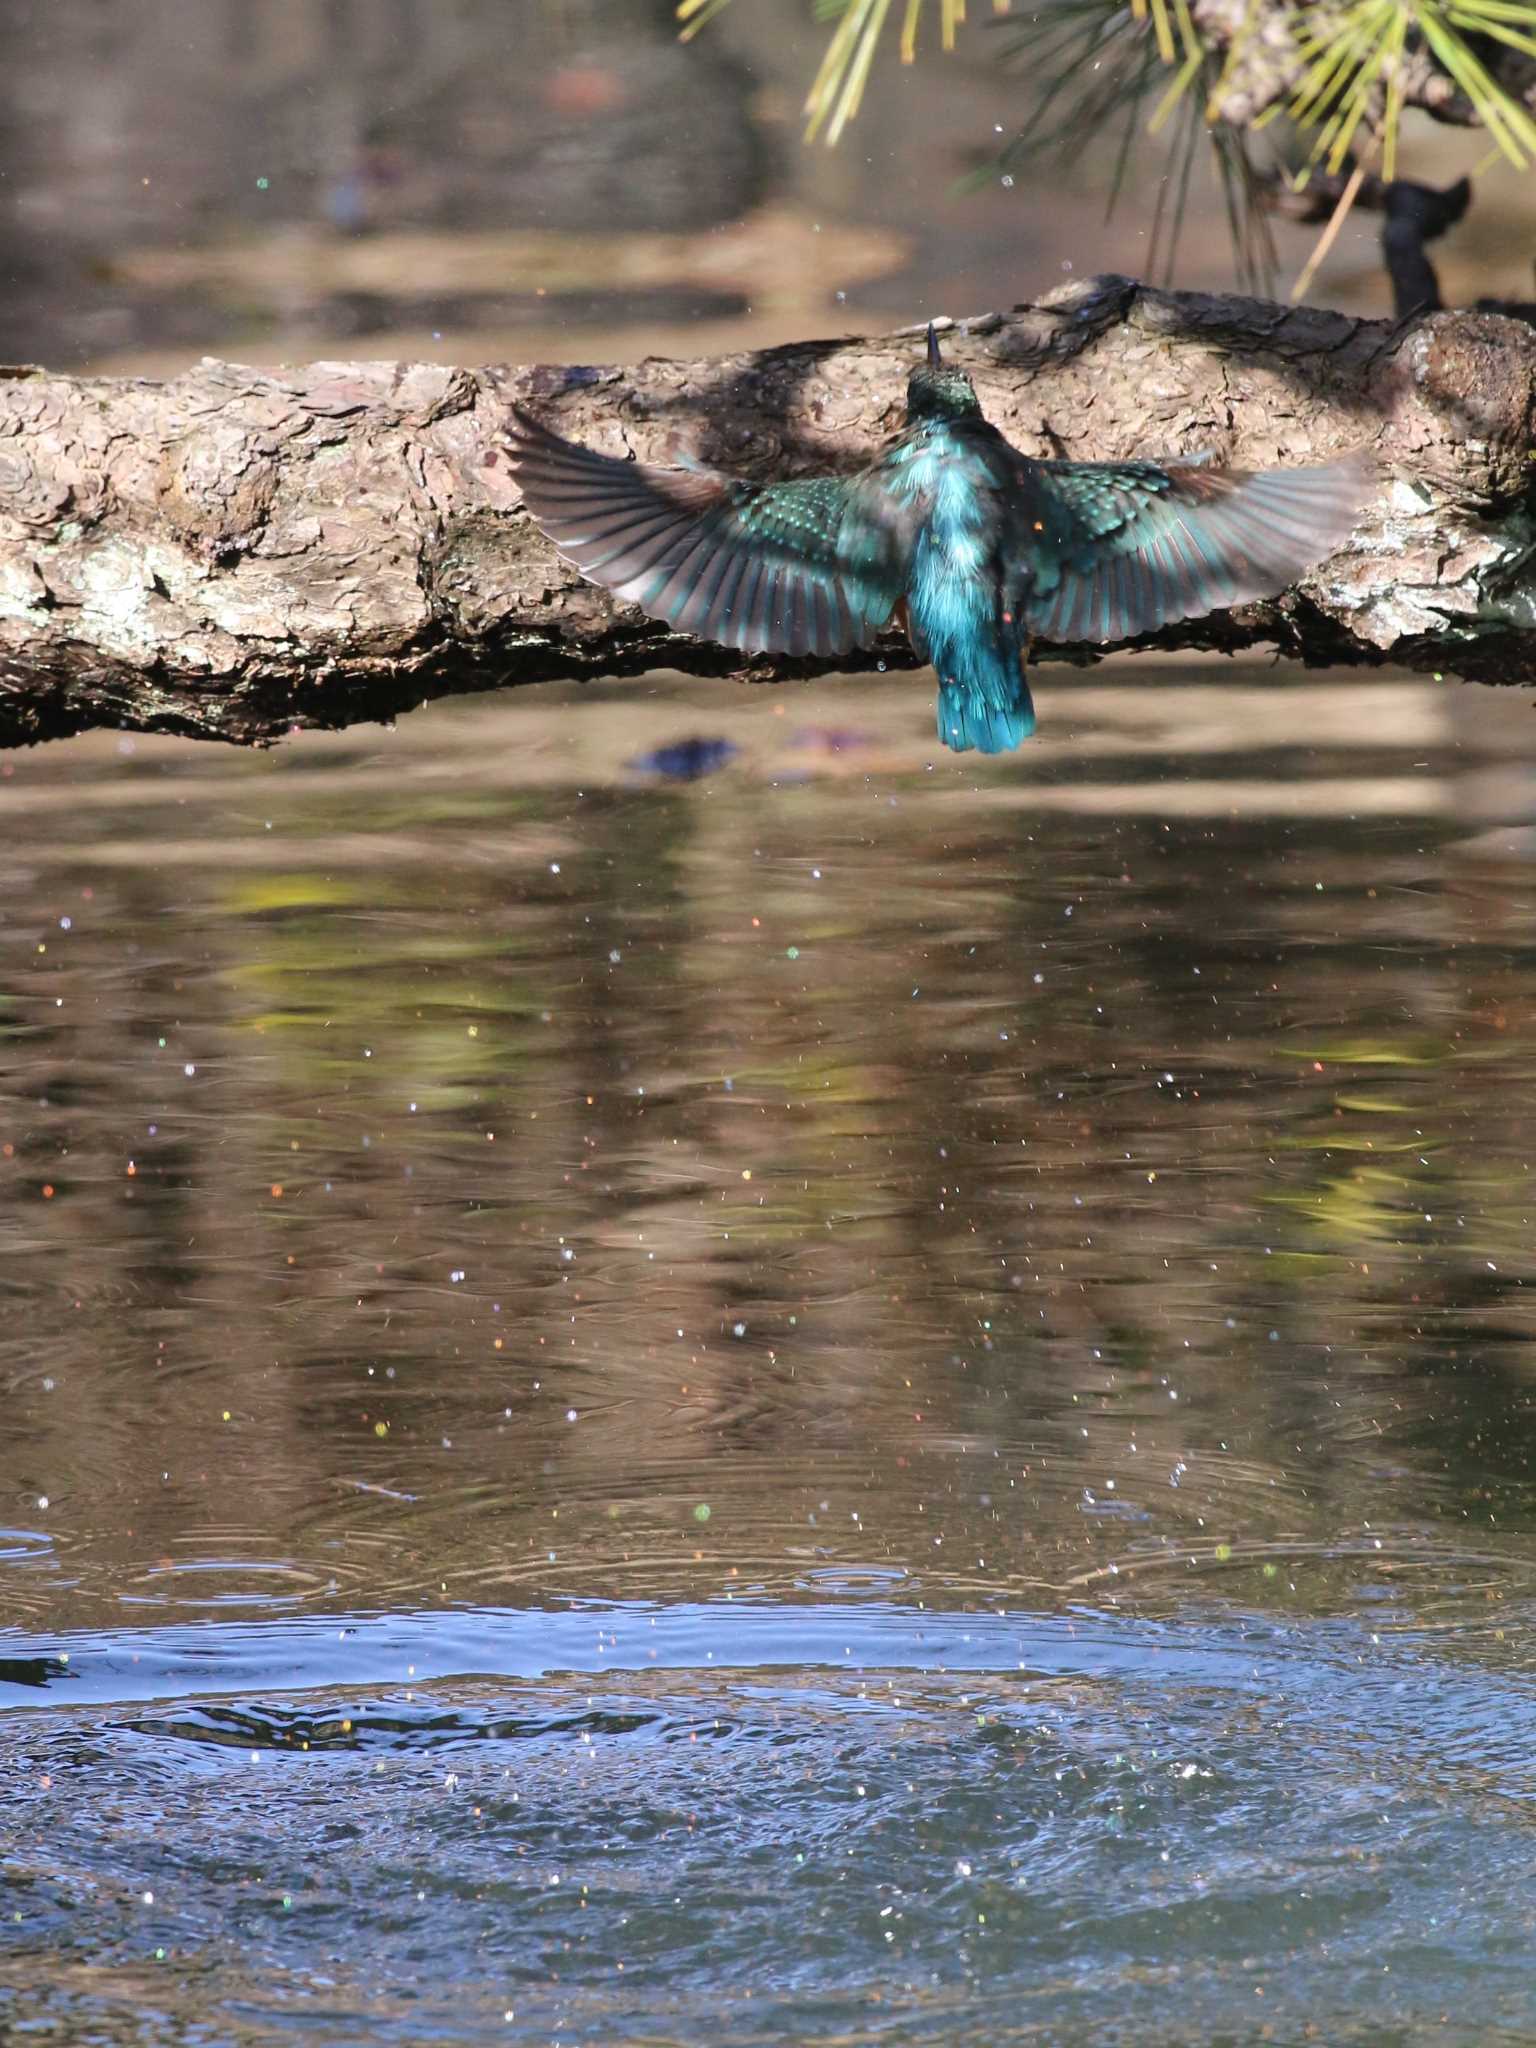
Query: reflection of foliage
point(449, 1005)
point(1370, 1052)
point(967, 1215)
point(1365, 1206)
point(1342, 76)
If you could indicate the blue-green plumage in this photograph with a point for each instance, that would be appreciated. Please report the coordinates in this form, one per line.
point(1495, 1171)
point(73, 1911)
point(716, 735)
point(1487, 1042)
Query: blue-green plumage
point(958, 615)
point(984, 548)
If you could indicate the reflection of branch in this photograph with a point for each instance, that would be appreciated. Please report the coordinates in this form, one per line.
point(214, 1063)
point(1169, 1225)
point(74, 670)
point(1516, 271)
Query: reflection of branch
point(237, 551)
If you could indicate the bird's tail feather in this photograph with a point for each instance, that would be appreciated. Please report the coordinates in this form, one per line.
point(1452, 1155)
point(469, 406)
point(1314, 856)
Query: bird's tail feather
point(972, 718)
point(984, 702)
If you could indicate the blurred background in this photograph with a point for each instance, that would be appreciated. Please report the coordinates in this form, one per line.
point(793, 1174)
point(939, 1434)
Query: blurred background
point(513, 180)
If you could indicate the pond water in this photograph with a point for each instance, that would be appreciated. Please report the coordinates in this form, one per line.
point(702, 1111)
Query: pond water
point(678, 1371)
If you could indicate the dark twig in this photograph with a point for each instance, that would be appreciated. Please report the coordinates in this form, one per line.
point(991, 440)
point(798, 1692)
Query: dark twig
point(1416, 214)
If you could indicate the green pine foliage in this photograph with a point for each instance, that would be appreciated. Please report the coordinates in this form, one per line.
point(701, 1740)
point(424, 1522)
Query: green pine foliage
point(1141, 67)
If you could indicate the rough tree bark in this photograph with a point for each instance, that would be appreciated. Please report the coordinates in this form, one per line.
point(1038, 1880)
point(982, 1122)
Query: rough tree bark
point(235, 552)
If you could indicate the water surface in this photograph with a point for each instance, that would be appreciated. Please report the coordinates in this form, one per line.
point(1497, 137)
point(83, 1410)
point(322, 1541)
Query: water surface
point(679, 1370)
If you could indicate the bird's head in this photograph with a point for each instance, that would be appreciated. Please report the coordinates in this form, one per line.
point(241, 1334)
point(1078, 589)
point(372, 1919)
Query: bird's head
point(940, 391)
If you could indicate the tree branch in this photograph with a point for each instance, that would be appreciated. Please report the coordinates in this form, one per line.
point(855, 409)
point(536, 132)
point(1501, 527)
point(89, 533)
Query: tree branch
point(235, 552)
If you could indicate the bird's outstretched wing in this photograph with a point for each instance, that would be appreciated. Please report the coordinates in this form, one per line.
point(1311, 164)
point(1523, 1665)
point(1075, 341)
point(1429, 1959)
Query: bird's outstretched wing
point(1111, 549)
point(763, 567)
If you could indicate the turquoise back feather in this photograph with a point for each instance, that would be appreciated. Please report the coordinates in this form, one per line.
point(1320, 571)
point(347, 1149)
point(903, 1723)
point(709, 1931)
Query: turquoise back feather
point(959, 614)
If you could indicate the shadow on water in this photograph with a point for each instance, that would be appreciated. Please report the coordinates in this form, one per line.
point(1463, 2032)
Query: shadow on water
point(781, 1390)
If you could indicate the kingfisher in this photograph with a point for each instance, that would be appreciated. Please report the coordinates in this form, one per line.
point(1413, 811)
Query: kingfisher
point(975, 549)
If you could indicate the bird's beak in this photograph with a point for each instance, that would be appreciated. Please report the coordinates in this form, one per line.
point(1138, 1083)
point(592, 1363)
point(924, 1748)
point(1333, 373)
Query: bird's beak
point(933, 347)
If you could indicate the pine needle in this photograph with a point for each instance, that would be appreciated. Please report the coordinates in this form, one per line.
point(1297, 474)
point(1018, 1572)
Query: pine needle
point(1100, 61)
point(1330, 234)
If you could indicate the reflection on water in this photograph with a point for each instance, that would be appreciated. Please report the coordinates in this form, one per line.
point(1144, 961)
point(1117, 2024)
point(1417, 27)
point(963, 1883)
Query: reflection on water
point(602, 1239)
